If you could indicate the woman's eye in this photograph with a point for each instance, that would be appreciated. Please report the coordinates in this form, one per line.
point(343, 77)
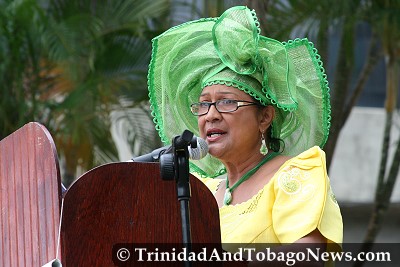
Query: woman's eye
point(204, 104)
point(228, 101)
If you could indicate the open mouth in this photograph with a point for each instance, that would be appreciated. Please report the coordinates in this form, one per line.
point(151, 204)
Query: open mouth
point(215, 133)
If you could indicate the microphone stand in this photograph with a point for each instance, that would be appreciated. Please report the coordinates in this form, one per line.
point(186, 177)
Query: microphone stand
point(176, 165)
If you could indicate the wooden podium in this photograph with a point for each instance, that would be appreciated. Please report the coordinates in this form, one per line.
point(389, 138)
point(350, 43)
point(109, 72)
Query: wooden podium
point(116, 203)
point(30, 196)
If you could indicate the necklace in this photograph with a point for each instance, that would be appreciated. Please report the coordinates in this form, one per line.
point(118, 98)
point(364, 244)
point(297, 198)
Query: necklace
point(247, 175)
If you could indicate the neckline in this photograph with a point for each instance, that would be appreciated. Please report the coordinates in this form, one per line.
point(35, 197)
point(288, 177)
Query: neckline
point(229, 190)
point(259, 191)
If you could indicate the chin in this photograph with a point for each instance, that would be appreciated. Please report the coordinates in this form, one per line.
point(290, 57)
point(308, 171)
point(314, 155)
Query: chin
point(216, 152)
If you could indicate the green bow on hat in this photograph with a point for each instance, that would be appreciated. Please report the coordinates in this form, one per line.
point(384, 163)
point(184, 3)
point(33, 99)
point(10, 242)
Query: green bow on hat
point(229, 50)
point(242, 49)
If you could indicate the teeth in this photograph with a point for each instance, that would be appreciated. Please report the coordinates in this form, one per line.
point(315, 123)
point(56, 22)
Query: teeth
point(215, 134)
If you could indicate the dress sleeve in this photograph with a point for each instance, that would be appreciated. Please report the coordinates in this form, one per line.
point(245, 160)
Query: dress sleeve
point(304, 200)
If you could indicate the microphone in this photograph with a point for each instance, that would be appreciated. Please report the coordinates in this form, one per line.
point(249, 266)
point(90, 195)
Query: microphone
point(200, 151)
point(196, 153)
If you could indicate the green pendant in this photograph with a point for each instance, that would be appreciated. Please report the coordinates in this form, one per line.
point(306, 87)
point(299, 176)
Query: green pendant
point(227, 197)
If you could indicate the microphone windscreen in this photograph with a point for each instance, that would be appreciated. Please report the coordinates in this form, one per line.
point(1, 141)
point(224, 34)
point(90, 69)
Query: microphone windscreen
point(200, 151)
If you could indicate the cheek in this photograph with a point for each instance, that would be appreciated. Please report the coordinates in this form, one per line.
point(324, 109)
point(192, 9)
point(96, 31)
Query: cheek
point(244, 132)
point(246, 127)
point(200, 125)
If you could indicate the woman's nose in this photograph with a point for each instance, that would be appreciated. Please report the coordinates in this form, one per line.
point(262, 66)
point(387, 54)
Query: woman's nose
point(213, 114)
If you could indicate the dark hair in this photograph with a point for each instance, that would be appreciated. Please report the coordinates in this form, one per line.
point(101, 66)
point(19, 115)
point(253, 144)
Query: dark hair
point(275, 144)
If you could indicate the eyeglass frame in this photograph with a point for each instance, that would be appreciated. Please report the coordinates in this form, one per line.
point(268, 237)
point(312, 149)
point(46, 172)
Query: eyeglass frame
point(239, 103)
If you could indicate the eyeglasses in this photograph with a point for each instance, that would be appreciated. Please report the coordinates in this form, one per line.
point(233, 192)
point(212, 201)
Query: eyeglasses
point(223, 106)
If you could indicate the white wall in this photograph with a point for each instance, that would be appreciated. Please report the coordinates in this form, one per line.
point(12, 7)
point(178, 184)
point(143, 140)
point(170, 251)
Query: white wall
point(355, 164)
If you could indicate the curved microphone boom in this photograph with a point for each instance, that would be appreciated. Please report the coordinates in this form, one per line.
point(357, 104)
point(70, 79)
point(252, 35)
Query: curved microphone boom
point(196, 153)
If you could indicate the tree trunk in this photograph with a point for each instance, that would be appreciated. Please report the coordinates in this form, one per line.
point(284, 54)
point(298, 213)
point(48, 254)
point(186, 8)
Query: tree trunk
point(373, 57)
point(339, 94)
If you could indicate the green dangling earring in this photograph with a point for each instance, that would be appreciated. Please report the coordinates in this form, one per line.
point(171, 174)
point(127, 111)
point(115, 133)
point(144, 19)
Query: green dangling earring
point(263, 148)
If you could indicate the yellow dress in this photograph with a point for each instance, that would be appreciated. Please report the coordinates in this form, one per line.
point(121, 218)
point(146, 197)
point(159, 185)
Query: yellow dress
point(297, 200)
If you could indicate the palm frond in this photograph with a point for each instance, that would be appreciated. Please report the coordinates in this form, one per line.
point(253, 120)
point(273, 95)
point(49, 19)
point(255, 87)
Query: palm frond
point(135, 129)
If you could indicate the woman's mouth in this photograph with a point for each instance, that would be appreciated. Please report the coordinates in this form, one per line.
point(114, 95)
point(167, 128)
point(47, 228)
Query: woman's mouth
point(214, 134)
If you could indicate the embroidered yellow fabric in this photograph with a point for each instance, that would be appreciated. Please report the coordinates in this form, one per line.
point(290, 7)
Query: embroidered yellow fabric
point(296, 201)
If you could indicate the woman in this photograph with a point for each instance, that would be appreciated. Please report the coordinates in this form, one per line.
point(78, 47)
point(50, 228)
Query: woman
point(263, 108)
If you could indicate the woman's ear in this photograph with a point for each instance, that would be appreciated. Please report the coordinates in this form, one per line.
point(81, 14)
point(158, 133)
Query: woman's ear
point(267, 115)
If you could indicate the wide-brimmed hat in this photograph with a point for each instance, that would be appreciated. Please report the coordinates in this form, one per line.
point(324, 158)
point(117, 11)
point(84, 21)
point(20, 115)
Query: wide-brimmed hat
point(230, 50)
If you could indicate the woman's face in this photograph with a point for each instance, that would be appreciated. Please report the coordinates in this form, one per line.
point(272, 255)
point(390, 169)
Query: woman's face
point(230, 135)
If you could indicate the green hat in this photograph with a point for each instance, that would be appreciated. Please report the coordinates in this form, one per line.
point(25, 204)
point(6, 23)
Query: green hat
point(230, 50)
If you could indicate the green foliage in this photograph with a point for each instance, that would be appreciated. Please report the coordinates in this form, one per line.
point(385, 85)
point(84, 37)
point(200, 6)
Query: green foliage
point(66, 64)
